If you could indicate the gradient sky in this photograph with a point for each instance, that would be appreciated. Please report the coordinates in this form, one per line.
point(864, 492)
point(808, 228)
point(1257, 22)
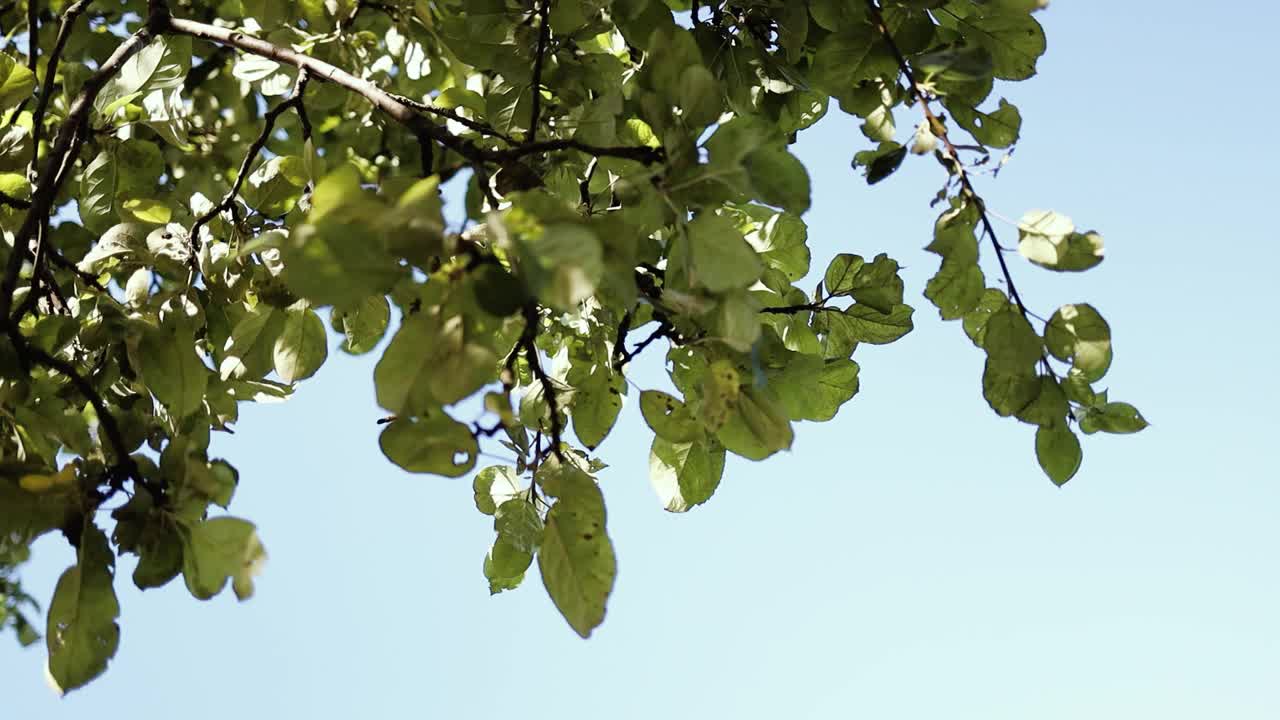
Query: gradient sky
point(906, 560)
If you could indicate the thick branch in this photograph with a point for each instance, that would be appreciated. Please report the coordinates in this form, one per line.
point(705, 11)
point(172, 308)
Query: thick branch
point(65, 150)
point(393, 106)
point(69, 17)
point(324, 72)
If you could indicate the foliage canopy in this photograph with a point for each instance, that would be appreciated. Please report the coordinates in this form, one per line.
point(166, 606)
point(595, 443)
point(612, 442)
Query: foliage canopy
point(187, 185)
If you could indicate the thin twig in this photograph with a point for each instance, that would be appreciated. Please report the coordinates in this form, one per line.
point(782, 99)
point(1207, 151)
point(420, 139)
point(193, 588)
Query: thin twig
point(482, 128)
point(269, 123)
point(13, 202)
point(106, 420)
point(620, 341)
point(527, 338)
point(544, 37)
point(625, 356)
point(939, 130)
point(797, 309)
point(33, 36)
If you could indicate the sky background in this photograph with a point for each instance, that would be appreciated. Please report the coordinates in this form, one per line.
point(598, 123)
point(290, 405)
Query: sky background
point(906, 560)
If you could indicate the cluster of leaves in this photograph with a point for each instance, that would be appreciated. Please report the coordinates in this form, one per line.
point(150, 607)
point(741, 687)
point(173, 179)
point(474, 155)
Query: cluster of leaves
point(192, 190)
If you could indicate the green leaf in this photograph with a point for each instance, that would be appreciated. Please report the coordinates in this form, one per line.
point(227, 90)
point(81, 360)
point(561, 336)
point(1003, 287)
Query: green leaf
point(16, 82)
point(720, 258)
point(505, 565)
point(779, 178)
point(338, 262)
point(881, 162)
point(975, 321)
point(146, 210)
point(494, 486)
point(997, 129)
point(517, 522)
point(868, 325)
point(508, 107)
point(758, 428)
point(1013, 38)
point(172, 370)
point(956, 289)
point(685, 475)
point(596, 404)
point(497, 291)
point(1058, 450)
point(161, 65)
point(82, 635)
point(576, 560)
point(1009, 389)
point(218, 550)
point(669, 417)
point(1117, 418)
point(1011, 343)
point(565, 264)
point(1081, 251)
point(842, 273)
point(1050, 241)
point(364, 324)
point(275, 186)
point(98, 187)
point(782, 242)
point(438, 445)
point(1078, 333)
point(404, 375)
point(953, 235)
point(1050, 406)
point(699, 97)
point(250, 350)
point(811, 388)
point(854, 54)
point(878, 285)
point(301, 348)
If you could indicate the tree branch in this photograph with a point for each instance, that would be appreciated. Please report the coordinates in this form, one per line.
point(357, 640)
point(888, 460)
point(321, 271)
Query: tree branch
point(13, 202)
point(200, 73)
point(624, 356)
point(124, 460)
point(939, 129)
point(269, 123)
point(33, 36)
point(390, 104)
point(527, 338)
point(479, 127)
point(69, 17)
point(544, 37)
point(797, 309)
point(65, 150)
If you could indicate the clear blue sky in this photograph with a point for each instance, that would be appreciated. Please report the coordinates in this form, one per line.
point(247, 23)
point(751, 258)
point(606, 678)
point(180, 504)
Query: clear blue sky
point(906, 560)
